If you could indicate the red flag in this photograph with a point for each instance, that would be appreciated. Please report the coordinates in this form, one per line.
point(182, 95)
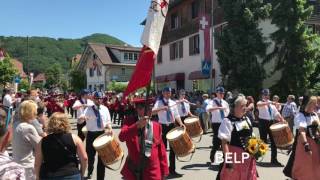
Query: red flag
point(151, 38)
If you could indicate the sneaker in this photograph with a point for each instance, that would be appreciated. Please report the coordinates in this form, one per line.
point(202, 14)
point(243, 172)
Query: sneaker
point(89, 176)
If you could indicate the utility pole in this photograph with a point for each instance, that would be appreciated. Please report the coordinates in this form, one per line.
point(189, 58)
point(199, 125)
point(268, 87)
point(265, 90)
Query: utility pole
point(211, 77)
point(27, 56)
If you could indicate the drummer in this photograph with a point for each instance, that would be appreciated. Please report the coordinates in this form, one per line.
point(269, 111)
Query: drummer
point(304, 160)
point(152, 163)
point(183, 106)
point(98, 122)
point(79, 106)
point(219, 109)
point(233, 132)
point(268, 114)
point(168, 116)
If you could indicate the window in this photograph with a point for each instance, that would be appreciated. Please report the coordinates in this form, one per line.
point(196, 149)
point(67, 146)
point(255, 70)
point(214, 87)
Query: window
point(125, 56)
point(130, 56)
point(101, 87)
point(90, 87)
point(159, 57)
point(91, 72)
point(95, 56)
point(176, 50)
point(98, 71)
point(175, 21)
point(135, 56)
point(194, 9)
point(123, 71)
point(194, 45)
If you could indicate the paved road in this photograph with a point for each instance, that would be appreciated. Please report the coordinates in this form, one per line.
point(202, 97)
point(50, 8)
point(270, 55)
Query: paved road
point(199, 166)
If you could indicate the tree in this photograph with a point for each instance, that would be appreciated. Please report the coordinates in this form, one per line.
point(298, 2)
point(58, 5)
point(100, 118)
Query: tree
point(7, 72)
point(53, 76)
point(24, 85)
point(117, 86)
point(296, 49)
point(77, 80)
point(242, 44)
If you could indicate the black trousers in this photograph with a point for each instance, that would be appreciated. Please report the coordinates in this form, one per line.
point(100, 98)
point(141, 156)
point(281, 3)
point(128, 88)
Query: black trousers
point(172, 156)
point(91, 136)
point(264, 126)
point(216, 142)
point(80, 133)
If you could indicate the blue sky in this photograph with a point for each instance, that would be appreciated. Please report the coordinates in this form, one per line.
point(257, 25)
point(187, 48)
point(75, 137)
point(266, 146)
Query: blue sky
point(73, 18)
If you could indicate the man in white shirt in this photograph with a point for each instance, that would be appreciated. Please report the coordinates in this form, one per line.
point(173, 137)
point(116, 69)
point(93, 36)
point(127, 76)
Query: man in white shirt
point(183, 106)
point(80, 106)
point(268, 113)
point(219, 109)
point(98, 122)
point(8, 99)
point(168, 116)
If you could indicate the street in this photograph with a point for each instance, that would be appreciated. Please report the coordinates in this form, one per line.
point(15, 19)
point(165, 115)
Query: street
point(199, 165)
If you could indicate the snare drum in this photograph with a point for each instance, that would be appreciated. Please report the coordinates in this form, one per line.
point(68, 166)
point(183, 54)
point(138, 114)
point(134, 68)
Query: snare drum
point(84, 131)
point(282, 135)
point(108, 149)
point(180, 142)
point(193, 126)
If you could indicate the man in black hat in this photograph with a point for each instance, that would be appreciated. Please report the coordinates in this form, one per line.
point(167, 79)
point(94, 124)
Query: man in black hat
point(168, 116)
point(268, 114)
point(98, 122)
point(145, 146)
point(219, 109)
point(79, 106)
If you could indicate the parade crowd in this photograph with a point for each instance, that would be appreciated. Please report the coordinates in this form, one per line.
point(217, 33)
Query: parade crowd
point(36, 125)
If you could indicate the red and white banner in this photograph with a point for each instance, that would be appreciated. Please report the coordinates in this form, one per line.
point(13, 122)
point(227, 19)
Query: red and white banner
point(150, 39)
point(205, 39)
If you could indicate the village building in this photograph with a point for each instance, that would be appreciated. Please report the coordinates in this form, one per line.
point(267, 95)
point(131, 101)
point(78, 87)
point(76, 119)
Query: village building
point(103, 64)
point(180, 57)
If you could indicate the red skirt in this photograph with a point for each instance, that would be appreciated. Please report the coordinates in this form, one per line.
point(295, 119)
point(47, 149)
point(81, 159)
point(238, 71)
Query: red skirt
point(241, 171)
point(306, 166)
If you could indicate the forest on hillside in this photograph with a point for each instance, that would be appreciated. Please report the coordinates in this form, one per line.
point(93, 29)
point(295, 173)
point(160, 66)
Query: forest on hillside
point(44, 51)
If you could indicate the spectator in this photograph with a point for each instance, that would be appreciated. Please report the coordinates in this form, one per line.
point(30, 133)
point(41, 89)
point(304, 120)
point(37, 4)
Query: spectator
point(25, 138)
point(56, 154)
point(8, 168)
point(289, 111)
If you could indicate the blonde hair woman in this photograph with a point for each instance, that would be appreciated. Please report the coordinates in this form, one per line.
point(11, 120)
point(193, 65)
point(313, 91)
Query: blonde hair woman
point(25, 138)
point(56, 154)
point(304, 161)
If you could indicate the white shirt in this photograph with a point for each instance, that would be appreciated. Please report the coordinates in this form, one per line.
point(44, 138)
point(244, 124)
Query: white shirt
point(186, 105)
point(162, 115)
point(226, 128)
point(80, 110)
point(300, 120)
point(91, 122)
point(216, 115)
point(265, 114)
point(7, 101)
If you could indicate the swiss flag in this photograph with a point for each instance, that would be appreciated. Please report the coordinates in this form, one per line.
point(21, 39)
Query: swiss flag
point(150, 39)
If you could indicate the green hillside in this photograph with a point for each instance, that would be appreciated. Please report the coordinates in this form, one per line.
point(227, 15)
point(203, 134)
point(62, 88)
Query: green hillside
point(44, 51)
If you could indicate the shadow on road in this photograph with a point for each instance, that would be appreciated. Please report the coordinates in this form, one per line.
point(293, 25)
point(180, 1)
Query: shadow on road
point(201, 167)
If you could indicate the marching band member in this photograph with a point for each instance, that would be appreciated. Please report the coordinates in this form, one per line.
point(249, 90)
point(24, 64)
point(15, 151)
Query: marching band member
point(168, 115)
point(219, 109)
point(233, 132)
point(139, 132)
point(304, 161)
point(183, 106)
point(80, 106)
point(268, 113)
point(97, 119)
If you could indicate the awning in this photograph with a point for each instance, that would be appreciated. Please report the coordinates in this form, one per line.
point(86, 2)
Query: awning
point(195, 75)
point(170, 77)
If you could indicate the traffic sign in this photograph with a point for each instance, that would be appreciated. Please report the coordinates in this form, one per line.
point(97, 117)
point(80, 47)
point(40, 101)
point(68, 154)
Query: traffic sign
point(205, 67)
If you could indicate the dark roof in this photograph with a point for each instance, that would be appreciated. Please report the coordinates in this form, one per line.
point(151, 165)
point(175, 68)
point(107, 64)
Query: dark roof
point(105, 54)
point(40, 77)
